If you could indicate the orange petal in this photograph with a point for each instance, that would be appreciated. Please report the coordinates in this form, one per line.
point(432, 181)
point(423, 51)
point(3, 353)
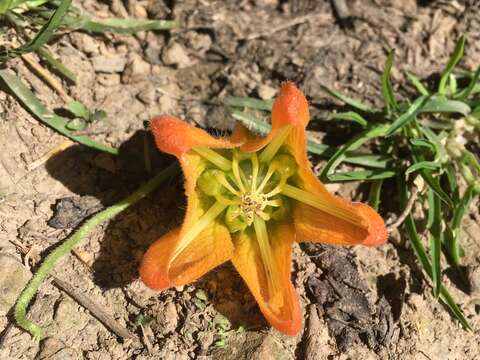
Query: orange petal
point(316, 225)
point(174, 136)
point(209, 249)
point(281, 310)
point(290, 108)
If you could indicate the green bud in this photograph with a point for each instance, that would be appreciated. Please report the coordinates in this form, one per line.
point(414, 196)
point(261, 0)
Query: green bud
point(285, 165)
point(234, 219)
point(208, 182)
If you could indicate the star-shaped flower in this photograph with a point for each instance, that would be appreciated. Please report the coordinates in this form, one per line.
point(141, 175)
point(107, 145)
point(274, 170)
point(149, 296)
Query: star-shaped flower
point(249, 199)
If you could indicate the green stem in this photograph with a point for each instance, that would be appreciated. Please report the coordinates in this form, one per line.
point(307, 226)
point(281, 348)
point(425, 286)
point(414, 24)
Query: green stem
point(51, 260)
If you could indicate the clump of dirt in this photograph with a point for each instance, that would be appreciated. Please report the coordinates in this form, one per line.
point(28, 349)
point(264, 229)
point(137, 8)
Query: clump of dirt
point(358, 303)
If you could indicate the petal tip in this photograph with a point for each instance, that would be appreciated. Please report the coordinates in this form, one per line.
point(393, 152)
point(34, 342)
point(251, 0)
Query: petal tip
point(290, 107)
point(168, 132)
point(377, 231)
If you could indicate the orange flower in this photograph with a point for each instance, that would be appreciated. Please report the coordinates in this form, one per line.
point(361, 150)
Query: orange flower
point(249, 199)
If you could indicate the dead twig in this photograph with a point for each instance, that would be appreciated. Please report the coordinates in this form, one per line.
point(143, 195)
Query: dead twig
point(95, 310)
point(406, 211)
point(49, 79)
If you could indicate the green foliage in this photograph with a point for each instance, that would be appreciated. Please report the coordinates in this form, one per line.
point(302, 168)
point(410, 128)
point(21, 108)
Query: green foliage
point(414, 139)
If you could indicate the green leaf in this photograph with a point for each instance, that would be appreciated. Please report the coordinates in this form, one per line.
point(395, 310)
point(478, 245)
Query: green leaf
point(436, 242)
point(452, 62)
point(248, 102)
point(465, 93)
point(418, 84)
point(347, 100)
point(31, 103)
point(362, 175)
point(387, 89)
point(353, 144)
point(374, 195)
point(421, 254)
point(56, 65)
point(430, 165)
point(45, 33)
point(443, 105)
point(407, 116)
point(120, 26)
point(350, 116)
point(78, 109)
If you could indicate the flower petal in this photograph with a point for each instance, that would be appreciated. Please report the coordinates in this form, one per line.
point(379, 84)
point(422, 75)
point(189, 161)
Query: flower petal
point(212, 247)
point(209, 249)
point(315, 225)
point(282, 310)
point(174, 136)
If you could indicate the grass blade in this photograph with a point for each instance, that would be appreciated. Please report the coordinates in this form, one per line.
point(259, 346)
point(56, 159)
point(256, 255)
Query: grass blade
point(362, 175)
point(407, 116)
point(347, 100)
point(353, 144)
point(418, 84)
point(465, 93)
point(56, 65)
point(430, 165)
point(119, 26)
point(452, 62)
point(436, 242)
point(374, 194)
point(45, 33)
point(248, 102)
point(423, 258)
point(350, 116)
point(387, 89)
point(442, 105)
point(31, 103)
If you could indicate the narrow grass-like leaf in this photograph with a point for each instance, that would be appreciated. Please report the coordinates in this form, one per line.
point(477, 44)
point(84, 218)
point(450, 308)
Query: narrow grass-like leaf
point(120, 26)
point(418, 84)
point(430, 165)
point(349, 101)
point(374, 195)
point(362, 175)
point(407, 116)
point(248, 102)
point(350, 116)
point(31, 103)
point(465, 93)
point(387, 89)
point(452, 62)
point(422, 143)
point(45, 33)
point(442, 105)
point(56, 65)
point(419, 250)
point(351, 145)
point(435, 186)
point(436, 242)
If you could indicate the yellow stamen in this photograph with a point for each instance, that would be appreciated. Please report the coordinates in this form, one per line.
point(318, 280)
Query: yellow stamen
point(198, 227)
point(255, 167)
point(214, 157)
point(271, 149)
point(268, 175)
point(236, 173)
point(226, 184)
point(270, 266)
point(317, 202)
